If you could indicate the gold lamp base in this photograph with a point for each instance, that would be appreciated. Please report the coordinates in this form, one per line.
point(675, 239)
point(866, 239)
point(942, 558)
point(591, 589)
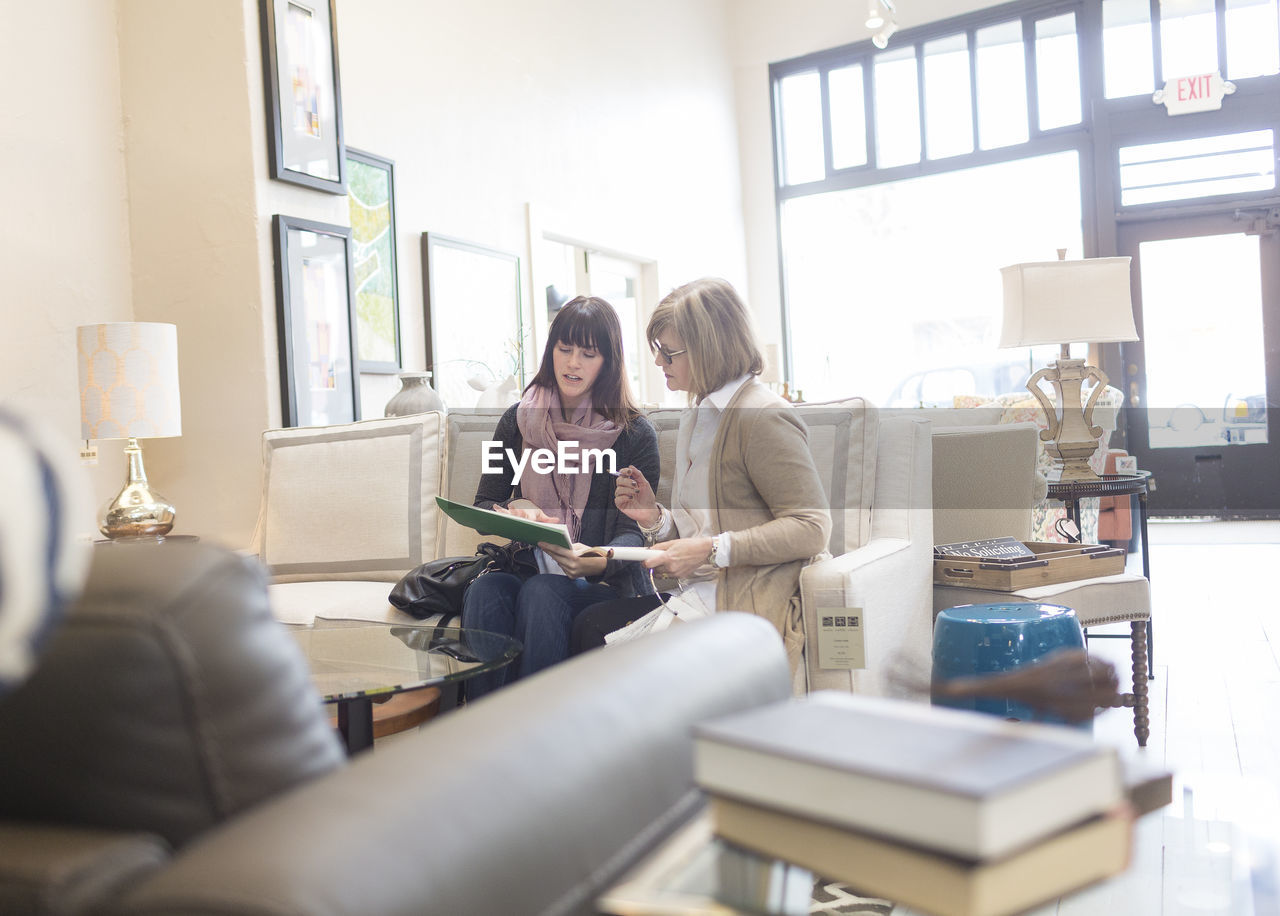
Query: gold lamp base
point(1071, 438)
point(137, 509)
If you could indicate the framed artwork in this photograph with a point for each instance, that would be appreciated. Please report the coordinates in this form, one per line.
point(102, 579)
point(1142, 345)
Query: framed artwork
point(304, 105)
point(372, 214)
point(315, 322)
point(474, 327)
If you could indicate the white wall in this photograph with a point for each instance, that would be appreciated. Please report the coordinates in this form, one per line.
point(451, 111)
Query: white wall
point(764, 32)
point(614, 119)
point(194, 222)
point(64, 232)
point(136, 146)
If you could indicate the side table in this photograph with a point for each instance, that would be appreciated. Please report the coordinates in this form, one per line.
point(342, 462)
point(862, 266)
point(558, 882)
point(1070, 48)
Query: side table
point(1070, 492)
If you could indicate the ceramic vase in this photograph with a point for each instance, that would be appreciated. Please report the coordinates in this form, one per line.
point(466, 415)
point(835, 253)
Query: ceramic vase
point(415, 396)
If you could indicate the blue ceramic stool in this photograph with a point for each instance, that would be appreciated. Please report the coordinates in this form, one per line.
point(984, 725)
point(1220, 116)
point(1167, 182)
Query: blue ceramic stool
point(992, 638)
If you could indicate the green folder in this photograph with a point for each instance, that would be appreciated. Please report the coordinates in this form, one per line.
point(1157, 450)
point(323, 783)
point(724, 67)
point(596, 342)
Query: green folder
point(487, 521)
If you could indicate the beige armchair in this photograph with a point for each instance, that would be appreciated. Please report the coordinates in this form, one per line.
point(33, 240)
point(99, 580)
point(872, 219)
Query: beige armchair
point(984, 485)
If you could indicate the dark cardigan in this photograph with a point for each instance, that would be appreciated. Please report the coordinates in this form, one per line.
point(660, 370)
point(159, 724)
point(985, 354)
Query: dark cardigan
point(602, 523)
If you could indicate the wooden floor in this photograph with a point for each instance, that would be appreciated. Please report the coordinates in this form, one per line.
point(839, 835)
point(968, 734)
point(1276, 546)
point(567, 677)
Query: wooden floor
point(1215, 722)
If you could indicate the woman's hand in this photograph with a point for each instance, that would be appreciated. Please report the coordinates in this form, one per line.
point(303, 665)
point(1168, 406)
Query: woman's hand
point(634, 498)
point(574, 566)
point(682, 557)
point(525, 508)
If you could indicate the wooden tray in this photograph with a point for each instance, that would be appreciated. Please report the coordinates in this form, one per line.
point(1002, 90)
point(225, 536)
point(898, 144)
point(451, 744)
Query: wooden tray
point(1053, 563)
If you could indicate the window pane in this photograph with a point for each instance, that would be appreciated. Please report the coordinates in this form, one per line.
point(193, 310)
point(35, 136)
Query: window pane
point(948, 103)
point(1057, 72)
point(888, 305)
point(897, 101)
point(1126, 47)
point(848, 117)
point(1002, 86)
point(1205, 166)
point(1253, 48)
point(1203, 296)
point(800, 100)
point(1188, 38)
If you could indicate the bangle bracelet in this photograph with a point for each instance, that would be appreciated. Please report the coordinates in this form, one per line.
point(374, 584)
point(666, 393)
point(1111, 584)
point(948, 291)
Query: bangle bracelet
point(651, 530)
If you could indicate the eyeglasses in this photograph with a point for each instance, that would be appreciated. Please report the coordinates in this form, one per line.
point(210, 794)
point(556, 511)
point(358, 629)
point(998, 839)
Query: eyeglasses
point(667, 355)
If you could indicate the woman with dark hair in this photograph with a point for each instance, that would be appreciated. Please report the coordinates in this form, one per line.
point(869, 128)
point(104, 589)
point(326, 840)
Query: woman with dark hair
point(747, 506)
point(580, 398)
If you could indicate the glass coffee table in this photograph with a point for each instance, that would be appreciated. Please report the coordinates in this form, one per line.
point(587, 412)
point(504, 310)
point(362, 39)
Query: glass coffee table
point(355, 663)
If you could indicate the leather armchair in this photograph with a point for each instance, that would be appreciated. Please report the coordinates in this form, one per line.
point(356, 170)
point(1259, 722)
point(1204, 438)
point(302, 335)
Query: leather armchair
point(168, 755)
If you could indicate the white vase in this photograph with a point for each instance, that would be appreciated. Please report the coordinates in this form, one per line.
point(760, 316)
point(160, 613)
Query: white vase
point(415, 396)
point(500, 394)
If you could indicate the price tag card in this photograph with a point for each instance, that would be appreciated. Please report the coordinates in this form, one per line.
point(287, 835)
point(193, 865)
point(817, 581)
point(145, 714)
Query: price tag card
point(841, 638)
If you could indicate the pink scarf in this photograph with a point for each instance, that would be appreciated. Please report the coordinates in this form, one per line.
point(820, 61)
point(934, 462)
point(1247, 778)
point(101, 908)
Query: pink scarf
point(541, 426)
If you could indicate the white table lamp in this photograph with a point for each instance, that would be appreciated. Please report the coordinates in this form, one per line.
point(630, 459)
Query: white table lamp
point(1061, 302)
point(129, 390)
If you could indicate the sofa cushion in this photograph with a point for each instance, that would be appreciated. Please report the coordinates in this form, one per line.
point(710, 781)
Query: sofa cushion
point(169, 700)
point(303, 602)
point(354, 501)
point(842, 437)
point(468, 429)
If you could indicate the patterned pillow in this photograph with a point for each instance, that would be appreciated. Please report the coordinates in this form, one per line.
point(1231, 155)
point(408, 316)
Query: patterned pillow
point(42, 562)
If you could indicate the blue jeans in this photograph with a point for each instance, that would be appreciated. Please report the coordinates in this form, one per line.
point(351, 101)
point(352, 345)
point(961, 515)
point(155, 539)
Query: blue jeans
point(538, 611)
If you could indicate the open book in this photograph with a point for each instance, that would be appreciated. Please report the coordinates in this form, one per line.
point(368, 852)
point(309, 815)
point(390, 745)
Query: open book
point(486, 521)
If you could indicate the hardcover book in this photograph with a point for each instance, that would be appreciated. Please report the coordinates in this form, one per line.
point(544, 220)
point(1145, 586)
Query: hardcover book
point(957, 782)
point(920, 878)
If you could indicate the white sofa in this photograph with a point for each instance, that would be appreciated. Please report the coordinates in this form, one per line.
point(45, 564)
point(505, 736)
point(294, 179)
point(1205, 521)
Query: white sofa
point(347, 510)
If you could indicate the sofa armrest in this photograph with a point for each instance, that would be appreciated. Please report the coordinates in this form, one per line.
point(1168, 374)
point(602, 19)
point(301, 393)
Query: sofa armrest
point(46, 868)
point(891, 580)
point(532, 800)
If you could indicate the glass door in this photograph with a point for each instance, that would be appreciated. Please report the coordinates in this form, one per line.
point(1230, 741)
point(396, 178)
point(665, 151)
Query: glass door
point(1200, 381)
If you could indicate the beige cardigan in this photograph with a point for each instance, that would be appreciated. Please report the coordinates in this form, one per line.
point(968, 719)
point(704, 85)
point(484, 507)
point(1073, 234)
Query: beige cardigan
point(766, 491)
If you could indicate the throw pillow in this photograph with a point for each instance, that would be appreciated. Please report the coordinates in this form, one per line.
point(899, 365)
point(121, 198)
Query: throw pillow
point(42, 562)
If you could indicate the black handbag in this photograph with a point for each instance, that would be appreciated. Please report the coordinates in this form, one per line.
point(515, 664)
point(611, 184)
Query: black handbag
point(438, 586)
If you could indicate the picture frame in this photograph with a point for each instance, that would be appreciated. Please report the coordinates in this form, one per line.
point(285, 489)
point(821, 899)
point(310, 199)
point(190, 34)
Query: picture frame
point(316, 326)
point(372, 216)
point(473, 316)
point(303, 95)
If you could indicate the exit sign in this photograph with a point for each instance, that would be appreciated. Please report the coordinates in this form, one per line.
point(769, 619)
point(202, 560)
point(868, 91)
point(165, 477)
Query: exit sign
point(1185, 94)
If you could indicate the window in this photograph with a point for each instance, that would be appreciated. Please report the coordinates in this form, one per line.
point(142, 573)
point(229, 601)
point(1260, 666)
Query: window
point(1057, 72)
point(1253, 46)
point(959, 149)
point(897, 101)
point(1203, 167)
point(1002, 86)
point(1128, 65)
point(800, 106)
point(948, 110)
point(848, 117)
point(915, 263)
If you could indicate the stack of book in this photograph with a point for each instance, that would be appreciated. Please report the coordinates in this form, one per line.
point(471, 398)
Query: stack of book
point(949, 812)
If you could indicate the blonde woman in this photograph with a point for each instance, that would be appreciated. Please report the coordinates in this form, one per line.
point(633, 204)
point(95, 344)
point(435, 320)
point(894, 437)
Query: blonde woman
point(748, 509)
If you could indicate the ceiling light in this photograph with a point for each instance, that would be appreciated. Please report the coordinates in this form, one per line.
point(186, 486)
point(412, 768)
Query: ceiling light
point(878, 13)
point(881, 38)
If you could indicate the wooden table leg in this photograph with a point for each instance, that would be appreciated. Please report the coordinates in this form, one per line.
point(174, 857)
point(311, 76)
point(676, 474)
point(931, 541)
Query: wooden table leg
point(1138, 699)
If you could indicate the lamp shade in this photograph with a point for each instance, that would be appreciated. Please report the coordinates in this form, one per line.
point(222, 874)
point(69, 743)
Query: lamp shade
point(1060, 302)
point(128, 380)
